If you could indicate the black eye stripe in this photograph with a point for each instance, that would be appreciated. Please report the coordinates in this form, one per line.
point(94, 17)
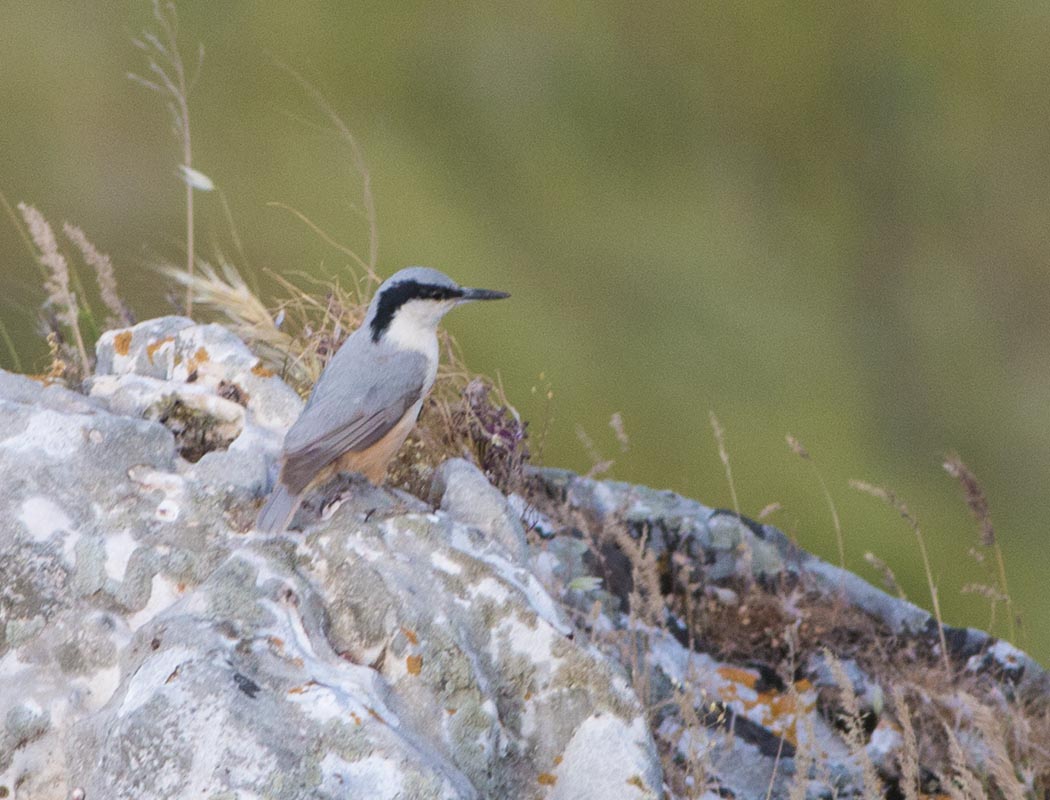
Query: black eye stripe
point(393, 297)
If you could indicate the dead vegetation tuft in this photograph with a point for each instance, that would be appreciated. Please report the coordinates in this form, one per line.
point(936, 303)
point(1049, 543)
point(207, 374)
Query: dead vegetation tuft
point(977, 502)
point(168, 77)
point(69, 322)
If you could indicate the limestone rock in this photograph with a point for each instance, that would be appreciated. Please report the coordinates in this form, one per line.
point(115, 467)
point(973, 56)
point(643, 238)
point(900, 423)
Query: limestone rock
point(152, 645)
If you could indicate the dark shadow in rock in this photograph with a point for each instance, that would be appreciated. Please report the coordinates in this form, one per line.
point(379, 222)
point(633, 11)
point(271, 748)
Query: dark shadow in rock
point(196, 432)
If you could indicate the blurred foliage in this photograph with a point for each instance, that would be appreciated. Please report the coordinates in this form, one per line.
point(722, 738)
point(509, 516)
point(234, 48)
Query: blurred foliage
point(823, 218)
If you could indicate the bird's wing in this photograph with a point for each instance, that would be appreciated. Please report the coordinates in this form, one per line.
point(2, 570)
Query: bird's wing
point(351, 417)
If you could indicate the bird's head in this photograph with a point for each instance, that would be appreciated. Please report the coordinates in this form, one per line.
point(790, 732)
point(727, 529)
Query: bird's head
point(411, 302)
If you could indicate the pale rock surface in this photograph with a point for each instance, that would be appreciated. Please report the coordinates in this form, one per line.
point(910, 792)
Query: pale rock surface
point(153, 646)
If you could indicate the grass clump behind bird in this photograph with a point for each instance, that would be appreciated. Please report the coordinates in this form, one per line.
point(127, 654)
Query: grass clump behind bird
point(466, 415)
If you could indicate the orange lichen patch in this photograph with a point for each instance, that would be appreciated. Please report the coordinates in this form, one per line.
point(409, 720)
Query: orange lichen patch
point(275, 642)
point(122, 343)
point(414, 664)
point(636, 781)
point(180, 587)
point(557, 760)
point(779, 714)
point(198, 358)
point(451, 711)
point(528, 695)
point(261, 371)
point(302, 689)
point(373, 714)
point(355, 717)
point(153, 347)
point(410, 635)
point(298, 662)
point(546, 779)
point(747, 677)
point(777, 711)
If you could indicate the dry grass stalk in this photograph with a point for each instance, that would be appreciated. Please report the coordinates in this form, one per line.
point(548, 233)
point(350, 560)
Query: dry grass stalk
point(723, 455)
point(107, 279)
point(978, 504)
point(59, 367)
point(989, 593)
point(360, 167)
point(19, 226)
point(645, 600)
point(768, 511)
point(12, 351)
point(908, 757)
point(895, 502)
point(983, 590)
point(685, 743)
point(697, 766)
point(62, 299)
point(616, 423)
point(805, 756)
point(296, 342)
point(169, 79)
point(699, 713)
point(547, 417)
point(889, 580)
point(975, 497)
point(962, 784)
point(854, 727)
point(799, 450)
point(776, 766)
point(992, 728)
point(599, 465)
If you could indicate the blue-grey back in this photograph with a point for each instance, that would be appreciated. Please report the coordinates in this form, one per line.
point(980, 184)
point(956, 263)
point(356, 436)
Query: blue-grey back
point(362, 379)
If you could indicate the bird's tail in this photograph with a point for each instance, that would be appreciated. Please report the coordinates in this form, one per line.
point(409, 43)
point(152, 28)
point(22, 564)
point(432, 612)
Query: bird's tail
point(276, 514)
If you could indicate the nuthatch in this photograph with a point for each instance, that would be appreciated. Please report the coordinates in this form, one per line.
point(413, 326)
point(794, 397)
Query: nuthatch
point(369, 395)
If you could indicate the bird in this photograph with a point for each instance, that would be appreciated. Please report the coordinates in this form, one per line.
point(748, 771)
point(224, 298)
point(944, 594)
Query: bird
point(369, 395)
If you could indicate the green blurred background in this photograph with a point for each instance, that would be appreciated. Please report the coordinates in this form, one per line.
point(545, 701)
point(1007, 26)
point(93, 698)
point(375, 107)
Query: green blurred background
point(823, 218)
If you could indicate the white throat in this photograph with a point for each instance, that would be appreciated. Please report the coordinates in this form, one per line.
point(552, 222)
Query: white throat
point(414, 327)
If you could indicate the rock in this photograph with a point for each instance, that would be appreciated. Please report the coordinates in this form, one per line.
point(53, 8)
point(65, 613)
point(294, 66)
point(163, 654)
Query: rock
point(757, 727)
point(463, 492)
point(28, 391)
point(175, 350)
point(633, 644)
point(144, 349)
point(228, 412)
point(153, 647)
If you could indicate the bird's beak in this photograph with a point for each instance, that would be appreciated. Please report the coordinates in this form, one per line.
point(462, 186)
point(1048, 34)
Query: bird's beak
point(481, 294)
